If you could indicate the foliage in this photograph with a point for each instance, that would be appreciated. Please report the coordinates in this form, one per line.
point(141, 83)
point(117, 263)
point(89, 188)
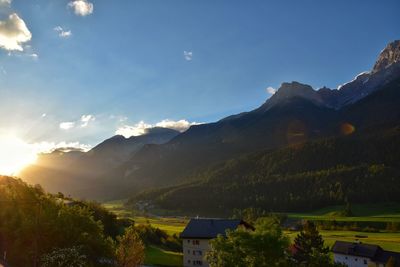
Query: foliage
point(65, 257)
point(157, 237)
point(265, 246)
point(347, 211)
point(392, 262)
point(335, 171)
point(35, 222)
point(310, 247)
point(249, 215)
point(130, 250)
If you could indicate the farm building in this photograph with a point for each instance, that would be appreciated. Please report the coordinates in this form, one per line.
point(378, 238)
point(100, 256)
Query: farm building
point(360, 254)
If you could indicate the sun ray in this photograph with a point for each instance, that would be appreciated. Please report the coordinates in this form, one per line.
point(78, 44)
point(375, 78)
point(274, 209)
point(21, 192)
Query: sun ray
point(15, 154)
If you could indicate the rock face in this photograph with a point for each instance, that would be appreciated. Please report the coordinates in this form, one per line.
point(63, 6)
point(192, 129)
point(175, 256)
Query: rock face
point(291, 90)
point(385, 70)
point(390, 55)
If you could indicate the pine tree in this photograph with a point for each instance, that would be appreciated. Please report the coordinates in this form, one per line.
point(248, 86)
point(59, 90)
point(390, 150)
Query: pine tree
point(309, 244)
point(391, 262)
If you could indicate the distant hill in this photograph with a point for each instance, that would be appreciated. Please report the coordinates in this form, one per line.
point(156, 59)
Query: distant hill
point(73, 172)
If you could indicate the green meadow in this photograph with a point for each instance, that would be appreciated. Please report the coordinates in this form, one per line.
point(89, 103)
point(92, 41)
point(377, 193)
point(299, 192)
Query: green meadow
point(159, 257)
point(374, 213)
point(389, 212)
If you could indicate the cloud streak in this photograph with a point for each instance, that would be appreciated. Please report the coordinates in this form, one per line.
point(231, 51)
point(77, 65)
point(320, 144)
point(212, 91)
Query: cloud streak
point(188, 55)
point(14, 33)
point(62, 33)
point(83, 122)
point(86, 119)
point(67, 125)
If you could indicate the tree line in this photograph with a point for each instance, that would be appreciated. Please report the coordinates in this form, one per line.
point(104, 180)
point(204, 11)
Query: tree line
point(308, 176)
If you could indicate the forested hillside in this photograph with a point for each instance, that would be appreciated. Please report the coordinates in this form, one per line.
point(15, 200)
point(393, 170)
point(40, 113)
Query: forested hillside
point(297, 178)
point(34, 224)
point(358, 165)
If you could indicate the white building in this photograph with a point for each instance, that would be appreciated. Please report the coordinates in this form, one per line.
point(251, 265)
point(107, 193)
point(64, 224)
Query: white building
point(362, 255)
point(199, 232)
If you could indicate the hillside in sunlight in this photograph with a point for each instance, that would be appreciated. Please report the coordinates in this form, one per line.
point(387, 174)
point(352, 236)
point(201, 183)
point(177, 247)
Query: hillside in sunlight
point(37, 224)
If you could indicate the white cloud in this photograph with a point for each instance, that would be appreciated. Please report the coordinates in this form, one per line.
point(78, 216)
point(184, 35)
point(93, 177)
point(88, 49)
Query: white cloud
point(181, 125)
point(18, 153)
point(5, 2)
point(44, 115)
point(141, 127)
point(188, 55)
point(85, 119)
point(62, 32)
point(67, 125)
point(34, 56)
point(82, 122)
point(47, 147)
point(81, 7)
point(271, 90)
point(13, 33)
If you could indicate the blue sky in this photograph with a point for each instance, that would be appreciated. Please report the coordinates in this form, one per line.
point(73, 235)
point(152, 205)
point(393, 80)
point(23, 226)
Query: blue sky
point(124, 61)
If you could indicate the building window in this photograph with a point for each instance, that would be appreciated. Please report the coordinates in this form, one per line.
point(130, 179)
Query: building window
point(188, 251)
point(200, 252)
point(197, 242)
point(356, 259)
point(365, 262)
point(188, 240)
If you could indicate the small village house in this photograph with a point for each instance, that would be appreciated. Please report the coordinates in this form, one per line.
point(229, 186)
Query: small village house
point(356, 254)
point(199, 232)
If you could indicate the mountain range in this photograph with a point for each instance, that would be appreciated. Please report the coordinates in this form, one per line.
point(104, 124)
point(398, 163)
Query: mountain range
point(172, 164)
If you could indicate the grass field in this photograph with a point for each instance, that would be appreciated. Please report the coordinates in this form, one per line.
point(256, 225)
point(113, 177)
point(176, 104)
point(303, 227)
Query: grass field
point(388, 241)
point(361, 213)
point(389, 212)
point(154, 256)
point(159, 257)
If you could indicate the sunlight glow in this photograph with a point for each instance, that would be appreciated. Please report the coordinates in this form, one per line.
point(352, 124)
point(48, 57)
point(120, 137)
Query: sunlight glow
point(15, 154)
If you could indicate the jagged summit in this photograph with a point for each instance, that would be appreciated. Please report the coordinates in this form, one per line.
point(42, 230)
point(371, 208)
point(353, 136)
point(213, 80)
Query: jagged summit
point(388, 56)
point(385, 70)
point(290, 90)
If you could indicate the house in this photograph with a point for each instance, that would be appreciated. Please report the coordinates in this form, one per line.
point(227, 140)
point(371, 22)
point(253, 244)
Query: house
point(199, 232)
point(359, 254)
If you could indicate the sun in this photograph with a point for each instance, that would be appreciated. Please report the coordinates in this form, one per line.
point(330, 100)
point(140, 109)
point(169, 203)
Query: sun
point(15, 154)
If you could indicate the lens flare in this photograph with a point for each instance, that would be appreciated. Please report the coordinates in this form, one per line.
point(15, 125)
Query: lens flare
point(347, 128)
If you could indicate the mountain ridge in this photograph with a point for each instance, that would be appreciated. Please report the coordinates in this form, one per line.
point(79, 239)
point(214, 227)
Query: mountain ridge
point(294, 115)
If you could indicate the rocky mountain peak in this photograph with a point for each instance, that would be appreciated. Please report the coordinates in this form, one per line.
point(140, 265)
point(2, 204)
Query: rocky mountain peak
point(388, 56)
point(295, 89)
point(289, 90)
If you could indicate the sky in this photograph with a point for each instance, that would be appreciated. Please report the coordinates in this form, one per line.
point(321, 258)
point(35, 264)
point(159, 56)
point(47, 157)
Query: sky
point(75, 72)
